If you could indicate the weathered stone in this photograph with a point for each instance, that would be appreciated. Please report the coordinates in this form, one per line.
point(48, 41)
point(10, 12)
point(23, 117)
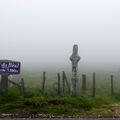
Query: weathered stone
point(74, 59)
point(4, 82)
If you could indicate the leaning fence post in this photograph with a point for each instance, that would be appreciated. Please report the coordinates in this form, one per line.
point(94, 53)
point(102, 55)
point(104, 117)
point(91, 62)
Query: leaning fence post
point(43, 82)
point(94, 85)
point(112, 85)
point(84, 83)
point(63, 78)
point(22, 87)
point(58, 83)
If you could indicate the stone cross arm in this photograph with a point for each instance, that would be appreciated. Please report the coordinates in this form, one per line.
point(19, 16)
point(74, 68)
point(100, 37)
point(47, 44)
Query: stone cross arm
point(75, 58)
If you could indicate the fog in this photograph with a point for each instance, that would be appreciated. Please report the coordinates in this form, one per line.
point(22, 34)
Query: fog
point(41, 33)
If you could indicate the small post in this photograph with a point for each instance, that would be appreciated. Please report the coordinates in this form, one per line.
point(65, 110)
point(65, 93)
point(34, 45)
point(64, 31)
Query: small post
point(4, 82)
point(84, 83)
point(43, 82)
point(94, 85)
point(22, 87)
point(112, 85)
point(63, 82)
point(58, 83)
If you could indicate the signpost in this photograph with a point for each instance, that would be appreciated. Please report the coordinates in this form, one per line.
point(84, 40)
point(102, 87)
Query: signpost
point(8, 67)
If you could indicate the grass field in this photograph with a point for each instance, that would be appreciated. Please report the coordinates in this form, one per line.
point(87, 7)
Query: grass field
point(51, 103)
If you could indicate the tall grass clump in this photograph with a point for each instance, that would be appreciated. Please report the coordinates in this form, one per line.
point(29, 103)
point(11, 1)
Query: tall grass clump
point(12, 94)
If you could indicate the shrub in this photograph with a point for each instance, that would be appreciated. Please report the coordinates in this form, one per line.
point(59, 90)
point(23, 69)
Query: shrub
point(31, 93)
point(35, 101)
point(11, 95)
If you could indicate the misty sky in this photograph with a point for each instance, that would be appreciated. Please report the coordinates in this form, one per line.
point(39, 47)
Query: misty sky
point(44, 31)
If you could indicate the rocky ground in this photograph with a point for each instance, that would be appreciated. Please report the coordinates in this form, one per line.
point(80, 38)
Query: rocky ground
point(62, 119)
point(114, 115)
point(51, 117)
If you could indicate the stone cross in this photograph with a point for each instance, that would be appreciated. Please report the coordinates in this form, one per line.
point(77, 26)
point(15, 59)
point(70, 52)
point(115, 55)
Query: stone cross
point(74, 59)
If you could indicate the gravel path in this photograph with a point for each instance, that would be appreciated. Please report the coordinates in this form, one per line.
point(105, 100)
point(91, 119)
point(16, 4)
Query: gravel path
point(59, 118)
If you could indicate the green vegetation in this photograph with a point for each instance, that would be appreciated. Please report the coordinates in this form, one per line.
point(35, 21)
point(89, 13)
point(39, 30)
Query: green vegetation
point(51, 103)
point(33, 102)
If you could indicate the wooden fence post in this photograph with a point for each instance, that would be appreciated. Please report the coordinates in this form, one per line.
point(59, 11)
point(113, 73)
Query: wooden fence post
point(43, 82)
point(94, 85)
point(22, 87)
point(58, 83)
point(63, 78)
point(84, 83)
point(112, 85)
point(19, 85)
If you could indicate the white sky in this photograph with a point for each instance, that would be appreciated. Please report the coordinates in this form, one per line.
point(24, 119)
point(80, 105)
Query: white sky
point(44, 31)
